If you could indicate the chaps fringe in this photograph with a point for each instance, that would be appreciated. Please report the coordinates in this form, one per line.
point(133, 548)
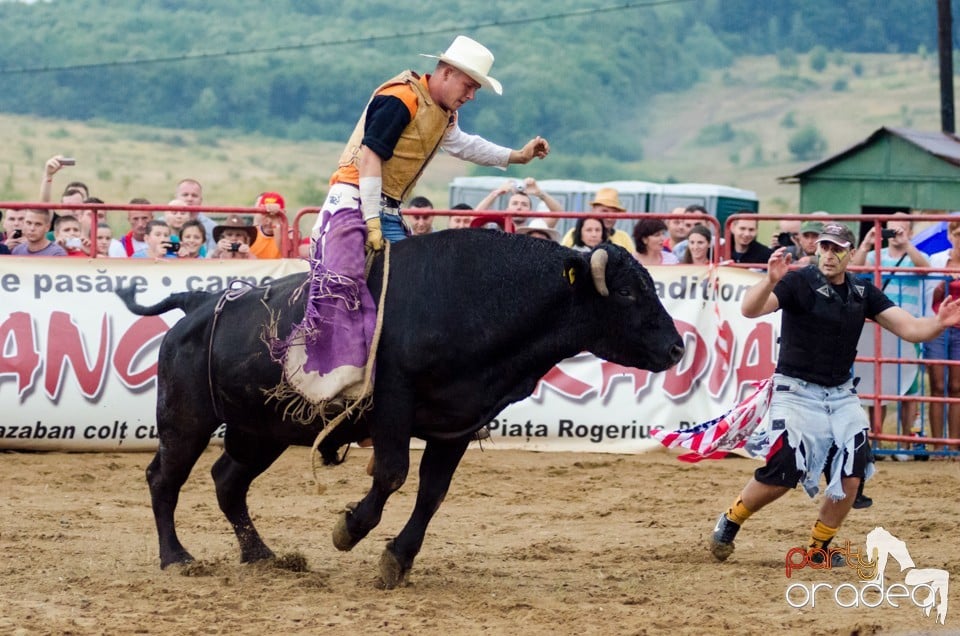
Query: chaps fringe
point(330, 413)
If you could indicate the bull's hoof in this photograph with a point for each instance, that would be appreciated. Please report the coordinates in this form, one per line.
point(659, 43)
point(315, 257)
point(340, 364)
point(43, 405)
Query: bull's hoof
point(258, 554)
point(342, 539)
point(392, 574)
point(180, 558)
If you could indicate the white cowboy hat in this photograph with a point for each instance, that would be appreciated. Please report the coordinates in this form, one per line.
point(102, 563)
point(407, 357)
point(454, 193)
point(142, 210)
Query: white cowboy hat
point(472, 58)
point(539, 225)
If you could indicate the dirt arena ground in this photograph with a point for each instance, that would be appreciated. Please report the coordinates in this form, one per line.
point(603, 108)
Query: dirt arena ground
point(526, 543)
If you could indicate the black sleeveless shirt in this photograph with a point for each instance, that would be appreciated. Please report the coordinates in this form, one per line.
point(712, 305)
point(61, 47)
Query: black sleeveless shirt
point(821, 324)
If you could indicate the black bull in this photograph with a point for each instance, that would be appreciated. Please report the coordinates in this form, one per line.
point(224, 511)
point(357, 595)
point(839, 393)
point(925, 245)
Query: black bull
point(473, 320)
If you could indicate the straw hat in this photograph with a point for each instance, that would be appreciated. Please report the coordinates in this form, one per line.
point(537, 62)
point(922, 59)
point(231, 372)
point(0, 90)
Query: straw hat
point(608, 197)
point(472, 58)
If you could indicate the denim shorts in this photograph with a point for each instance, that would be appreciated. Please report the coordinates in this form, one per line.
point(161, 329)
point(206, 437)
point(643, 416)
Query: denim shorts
point(781, 467)
point(946, 346)
point(815, 430)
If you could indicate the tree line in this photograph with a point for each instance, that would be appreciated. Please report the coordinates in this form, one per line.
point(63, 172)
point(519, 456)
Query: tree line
point(572, 71)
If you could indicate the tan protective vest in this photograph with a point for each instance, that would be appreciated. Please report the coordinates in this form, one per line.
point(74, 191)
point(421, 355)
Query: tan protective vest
point(418, 142)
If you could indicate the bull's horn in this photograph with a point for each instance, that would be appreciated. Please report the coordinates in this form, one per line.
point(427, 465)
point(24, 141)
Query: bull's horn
point(598, 269)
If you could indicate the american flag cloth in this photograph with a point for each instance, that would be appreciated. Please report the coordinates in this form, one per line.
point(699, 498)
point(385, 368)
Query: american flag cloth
point(719, 436)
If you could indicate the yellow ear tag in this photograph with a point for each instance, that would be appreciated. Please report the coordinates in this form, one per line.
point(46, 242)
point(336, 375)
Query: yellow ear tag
point(571, 276)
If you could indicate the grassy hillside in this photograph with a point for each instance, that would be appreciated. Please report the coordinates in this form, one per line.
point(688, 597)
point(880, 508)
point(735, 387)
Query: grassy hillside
point(120, 162)
point(731, 129)
point(751, 103)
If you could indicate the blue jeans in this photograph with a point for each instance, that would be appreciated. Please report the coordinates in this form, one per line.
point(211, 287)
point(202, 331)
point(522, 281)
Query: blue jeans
point(392, 227)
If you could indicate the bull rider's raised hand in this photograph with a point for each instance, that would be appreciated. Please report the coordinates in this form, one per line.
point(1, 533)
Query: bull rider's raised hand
point(536, 148)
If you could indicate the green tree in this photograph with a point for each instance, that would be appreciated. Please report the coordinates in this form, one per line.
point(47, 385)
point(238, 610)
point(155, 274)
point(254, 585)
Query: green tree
point(818, 59)
point(787, 59)
point(807, 144)
point(714, 134)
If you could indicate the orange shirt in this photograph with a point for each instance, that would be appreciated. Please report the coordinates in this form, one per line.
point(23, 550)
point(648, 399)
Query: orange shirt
point(265, 246)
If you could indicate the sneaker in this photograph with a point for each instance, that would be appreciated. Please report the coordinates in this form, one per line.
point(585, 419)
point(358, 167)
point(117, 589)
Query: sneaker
point(862, 501)
point(837, 560)
point(721, 541)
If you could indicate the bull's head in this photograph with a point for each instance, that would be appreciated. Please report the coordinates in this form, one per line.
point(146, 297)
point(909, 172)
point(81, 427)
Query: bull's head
point(636, 330)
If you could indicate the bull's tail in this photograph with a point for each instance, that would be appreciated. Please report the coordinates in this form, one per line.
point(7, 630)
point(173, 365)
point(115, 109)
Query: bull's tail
point(186, 301)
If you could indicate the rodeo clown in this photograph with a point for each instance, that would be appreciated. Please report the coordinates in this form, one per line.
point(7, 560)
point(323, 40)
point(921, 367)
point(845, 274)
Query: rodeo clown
point(405, 122)
point(816, 423)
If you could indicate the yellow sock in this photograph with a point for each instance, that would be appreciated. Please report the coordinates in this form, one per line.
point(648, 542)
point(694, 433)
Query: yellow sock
point(821, 534)
point(738, 513)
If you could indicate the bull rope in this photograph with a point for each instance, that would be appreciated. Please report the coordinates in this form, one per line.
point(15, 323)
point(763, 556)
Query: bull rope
point(230, 294)
point(363, 402)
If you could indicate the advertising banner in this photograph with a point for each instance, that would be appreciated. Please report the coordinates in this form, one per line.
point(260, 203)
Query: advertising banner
point(588, 404)
point(78, 370)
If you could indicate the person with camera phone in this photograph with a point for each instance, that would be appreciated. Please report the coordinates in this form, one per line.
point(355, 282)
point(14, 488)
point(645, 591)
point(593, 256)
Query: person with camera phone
point(804, 244)
point(12, 229)
point(902, 288)
point(521, 193)
point(68, 234)
point(157, 238)
point(52, 166)
point(899, 252)
point(234, 238)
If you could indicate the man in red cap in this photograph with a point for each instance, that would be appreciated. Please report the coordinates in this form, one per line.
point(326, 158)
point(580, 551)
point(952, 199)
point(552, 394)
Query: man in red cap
point(268, 226)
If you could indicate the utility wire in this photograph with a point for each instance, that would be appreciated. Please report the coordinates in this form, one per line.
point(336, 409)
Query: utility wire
point(346, 41)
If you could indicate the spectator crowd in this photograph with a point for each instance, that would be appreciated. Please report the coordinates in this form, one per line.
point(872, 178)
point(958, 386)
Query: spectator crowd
point(177, 233)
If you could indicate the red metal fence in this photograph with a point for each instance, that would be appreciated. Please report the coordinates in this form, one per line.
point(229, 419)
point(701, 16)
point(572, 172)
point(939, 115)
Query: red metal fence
point(905, 440)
